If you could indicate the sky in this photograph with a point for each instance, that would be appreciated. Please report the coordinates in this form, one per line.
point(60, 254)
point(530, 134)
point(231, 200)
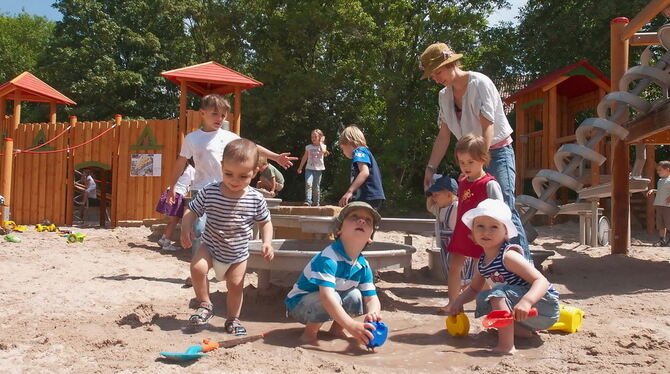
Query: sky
point(43, 8)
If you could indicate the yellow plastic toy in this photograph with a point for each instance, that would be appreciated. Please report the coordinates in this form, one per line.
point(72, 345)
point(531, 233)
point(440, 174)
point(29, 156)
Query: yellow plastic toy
point(569, 320)
point(75, 237)
point(11, 225)
point(50, 228)
point(458, 325)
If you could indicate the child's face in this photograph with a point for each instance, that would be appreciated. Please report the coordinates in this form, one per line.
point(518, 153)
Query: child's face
point(662, 172)
point(212, 118)
point(316, 138)
point(262, 167)
point(237, 175)
point(488, 232)
point(442, 198)
point(358, 224)
point(347, 149)
point(471, 167)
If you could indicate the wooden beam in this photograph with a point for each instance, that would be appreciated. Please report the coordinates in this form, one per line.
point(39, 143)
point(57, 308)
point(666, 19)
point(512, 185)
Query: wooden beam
point(3, 107)
point(646, 14)
point(648, 124)
point(555, 83)
point(620, 158)
point(17, 112)
point(52, 112)
point(237, 114)
point(649, 171)
point(7, 178)
point(644, 38)
point(181, 129)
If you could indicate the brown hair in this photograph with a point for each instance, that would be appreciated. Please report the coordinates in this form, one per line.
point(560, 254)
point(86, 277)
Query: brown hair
point(664, 164)
point(214, 101)
point(241, 150)
point(353, 136)
point(475, 146)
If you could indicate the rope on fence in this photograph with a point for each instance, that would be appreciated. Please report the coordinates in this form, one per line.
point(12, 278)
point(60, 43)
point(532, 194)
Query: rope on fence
point(74, 147)
point(43, 144)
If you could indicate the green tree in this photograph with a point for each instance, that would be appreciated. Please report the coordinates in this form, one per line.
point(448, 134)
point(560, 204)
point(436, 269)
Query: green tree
point(22, 38)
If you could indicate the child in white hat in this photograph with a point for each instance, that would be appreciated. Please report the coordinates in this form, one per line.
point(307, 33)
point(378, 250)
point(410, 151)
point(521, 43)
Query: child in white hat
point(516, 286)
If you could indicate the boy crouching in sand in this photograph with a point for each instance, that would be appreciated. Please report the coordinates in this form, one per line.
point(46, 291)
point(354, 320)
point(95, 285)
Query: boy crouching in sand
point(232, 207)
point(338, 282)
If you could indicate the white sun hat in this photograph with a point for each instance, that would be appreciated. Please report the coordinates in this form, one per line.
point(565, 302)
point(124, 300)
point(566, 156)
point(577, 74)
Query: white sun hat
point(496, 209)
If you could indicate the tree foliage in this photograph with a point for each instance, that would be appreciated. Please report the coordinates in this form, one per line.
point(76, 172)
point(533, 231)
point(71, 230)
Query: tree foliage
point(22, 38)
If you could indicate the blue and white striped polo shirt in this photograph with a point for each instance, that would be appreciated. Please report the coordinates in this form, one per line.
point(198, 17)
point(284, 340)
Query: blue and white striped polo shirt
point(333, 268)
point(229, 221)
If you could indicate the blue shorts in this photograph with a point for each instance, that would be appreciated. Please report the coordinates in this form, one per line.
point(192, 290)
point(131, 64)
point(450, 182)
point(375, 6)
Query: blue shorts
point(547, 308)
point(311, 310)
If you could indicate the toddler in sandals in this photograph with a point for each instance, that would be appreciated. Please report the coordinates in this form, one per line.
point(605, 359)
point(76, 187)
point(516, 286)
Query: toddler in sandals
point(232, 208)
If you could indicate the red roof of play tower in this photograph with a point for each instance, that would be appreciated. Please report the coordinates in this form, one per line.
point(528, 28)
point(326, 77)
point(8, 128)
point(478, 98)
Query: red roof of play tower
point(33, 89)
point(211, 77)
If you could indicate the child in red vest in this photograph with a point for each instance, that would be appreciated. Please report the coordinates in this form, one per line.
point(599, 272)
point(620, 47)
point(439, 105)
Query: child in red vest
point(474, 186)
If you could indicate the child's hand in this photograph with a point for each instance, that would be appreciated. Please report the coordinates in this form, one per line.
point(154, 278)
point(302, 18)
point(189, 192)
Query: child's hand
point(360, 332)
point(268, 252)
point(345, 199)
point(187, 236)
point(299, 170)
point(651, 192)
point(284, 159)
point(372, 317)
point(521, 310)
point(170, 196)
point(454, 308)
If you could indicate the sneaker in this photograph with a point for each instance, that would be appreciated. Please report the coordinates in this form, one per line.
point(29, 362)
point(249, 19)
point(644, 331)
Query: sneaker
point(660, 243)
point(306, 204)
point(170, 247)
point(163, 241)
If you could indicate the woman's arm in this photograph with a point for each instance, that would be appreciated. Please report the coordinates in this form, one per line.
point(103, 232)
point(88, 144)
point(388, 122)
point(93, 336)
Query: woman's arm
point(440, 146)
point(487, 130)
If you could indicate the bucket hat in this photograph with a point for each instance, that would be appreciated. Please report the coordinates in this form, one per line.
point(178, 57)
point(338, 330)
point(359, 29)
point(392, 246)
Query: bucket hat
point(435, 56)
point(357, 205)
point(496, 209)
point(444, 183)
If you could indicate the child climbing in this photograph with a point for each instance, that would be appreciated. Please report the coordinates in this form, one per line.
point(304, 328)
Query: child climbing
point(313, 157)
point(270, 180)
point(662, 203)
point(175, 211)
point(232, 208)
point(516, 285)
point(366, 178)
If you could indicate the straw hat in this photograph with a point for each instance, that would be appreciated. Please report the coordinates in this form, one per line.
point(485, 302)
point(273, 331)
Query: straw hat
point(435, 56)
point(496, 209)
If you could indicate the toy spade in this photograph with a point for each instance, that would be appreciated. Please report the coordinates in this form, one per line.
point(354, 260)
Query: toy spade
point(196, 351)
point(502, 318)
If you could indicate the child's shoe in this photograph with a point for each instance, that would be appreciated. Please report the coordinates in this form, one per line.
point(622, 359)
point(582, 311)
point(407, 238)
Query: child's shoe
point(660, 243)
point(170, 247)
point(233, 326)
point(202, 315)
point(163, 241)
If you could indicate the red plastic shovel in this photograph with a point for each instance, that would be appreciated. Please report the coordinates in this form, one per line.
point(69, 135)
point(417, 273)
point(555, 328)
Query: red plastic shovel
point(502, 318)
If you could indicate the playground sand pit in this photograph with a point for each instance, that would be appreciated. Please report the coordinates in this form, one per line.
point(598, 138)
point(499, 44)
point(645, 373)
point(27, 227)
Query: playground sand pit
point(113, 302)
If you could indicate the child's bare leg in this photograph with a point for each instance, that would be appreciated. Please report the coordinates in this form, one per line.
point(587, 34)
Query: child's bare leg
point(235, 285)
point(200, 265)
point(264, 184)
point(522, 332)
point(505, 334)
point(309, 336)
point(169, 228)
point(455, 265)
point(337, 330)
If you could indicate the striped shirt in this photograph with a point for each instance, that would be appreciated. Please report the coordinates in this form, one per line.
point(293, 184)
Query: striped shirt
point(229, 224)
point(333, 268)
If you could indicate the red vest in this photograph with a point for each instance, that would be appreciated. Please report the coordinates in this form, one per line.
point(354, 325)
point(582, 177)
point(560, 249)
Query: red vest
point(469, 195)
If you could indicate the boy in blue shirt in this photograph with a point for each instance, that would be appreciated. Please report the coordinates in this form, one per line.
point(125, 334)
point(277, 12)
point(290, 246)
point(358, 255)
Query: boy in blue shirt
point(366, 178)
point(337, 283)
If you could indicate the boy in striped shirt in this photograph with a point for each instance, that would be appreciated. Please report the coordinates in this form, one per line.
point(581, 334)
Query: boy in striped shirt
point(232, 208)
point(338, 282)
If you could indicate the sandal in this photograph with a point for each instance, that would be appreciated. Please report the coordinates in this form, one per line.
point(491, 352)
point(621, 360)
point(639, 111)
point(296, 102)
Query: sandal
point(233, 326)
point(202, 315)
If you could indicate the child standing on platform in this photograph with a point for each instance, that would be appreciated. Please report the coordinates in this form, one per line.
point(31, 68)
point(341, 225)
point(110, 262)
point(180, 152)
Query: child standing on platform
point(175, 211)
point(516, 286)
point(473, 187)
point(232, 208)
point(662, 203)
point(366, 178)
point(313, 157)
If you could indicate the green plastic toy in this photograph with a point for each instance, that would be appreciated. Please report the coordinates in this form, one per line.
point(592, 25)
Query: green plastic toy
point(12, 238)
point(75, 237)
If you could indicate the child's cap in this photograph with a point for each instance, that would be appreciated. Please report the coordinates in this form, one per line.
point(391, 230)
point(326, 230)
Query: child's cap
point(357, 205)
point(444, 183)
point(496, 209)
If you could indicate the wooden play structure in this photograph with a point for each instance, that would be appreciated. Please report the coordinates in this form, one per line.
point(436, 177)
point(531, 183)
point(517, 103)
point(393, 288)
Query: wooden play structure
point(39, 179)
point(653, 118)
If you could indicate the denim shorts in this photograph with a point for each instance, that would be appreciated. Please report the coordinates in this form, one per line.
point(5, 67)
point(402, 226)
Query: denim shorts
point(311, 310)
point(547, 308)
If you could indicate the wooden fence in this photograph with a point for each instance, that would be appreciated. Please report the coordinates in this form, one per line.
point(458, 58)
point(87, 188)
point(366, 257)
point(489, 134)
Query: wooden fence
point(43, 182)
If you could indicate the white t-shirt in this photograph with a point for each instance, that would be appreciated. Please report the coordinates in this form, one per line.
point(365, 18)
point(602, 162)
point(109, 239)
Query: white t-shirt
point(91, 187)
point(185, 181)
point(662, 192)
point(481, 97)
point(314, 157)
point(206, 148)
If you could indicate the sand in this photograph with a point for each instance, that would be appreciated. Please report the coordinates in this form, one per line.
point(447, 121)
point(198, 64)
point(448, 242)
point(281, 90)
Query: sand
point(113, 302)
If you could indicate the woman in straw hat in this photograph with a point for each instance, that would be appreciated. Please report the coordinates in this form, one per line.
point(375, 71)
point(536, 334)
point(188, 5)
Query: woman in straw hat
point(471, 104)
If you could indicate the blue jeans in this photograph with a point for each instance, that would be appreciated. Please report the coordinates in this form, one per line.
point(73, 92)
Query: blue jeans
point(198, 227)
point(548, 309)
point(312, 186)
point(502, 167)
point(311, 310)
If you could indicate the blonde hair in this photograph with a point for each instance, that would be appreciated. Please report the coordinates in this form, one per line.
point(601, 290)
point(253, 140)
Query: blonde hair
point(262, 160)
point(319, 133)
point(214, 101)
point(353, 136)
point(475, 146)
point(664, 164)
point(241, 150)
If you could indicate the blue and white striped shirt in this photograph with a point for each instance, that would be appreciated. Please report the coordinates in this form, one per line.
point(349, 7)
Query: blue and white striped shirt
point(229, 221)
point(333, 268)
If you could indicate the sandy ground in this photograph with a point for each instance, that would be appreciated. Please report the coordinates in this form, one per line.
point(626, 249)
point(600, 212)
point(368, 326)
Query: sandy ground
point(113, 302)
